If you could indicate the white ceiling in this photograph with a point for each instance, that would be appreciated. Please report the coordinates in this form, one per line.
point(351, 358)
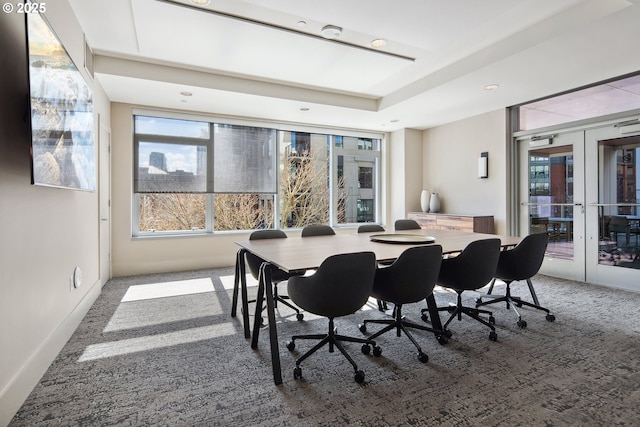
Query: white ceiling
point(253, 59)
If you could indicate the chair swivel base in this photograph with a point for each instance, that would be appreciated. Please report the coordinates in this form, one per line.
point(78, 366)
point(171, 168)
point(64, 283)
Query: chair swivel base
point(400, 324)
point(283, 300)
point(334, 340)
point(514, 301)
point(458, 310)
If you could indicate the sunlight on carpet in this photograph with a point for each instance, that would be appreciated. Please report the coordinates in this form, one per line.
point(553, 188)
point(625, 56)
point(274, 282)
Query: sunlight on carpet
point(146, 343)
point(168, 289)
point(227, 281)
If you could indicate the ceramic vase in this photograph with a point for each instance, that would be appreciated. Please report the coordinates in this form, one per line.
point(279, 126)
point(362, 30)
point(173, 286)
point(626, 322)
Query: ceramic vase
point(434, 203)
point(424, 200)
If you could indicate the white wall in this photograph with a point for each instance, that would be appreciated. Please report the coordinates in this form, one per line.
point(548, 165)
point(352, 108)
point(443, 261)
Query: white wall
point(46, 232)
point(450, 162)
point(405, 173)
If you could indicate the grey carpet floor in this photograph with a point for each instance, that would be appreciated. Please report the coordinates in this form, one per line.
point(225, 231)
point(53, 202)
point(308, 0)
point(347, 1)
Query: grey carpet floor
point(179, 359)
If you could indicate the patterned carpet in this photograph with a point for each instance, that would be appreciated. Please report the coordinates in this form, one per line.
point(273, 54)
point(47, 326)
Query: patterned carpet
point(170, 354)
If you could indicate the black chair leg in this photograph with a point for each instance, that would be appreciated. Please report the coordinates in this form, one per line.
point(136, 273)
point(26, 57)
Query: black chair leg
point(401, 325)
point(333, 339)
point(514, 302)
point(458, 310)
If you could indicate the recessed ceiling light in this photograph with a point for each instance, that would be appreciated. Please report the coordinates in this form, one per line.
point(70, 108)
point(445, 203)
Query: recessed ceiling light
point(185, 93)
point(331, 32)
point(378, 43)
point(200, 2)
point(492, 86)
point(395, 121)
point(304, 109)
point(302, 24)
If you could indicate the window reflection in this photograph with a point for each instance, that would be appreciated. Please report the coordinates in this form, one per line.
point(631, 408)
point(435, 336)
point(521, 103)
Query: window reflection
point(619, 195)
point(551, 198)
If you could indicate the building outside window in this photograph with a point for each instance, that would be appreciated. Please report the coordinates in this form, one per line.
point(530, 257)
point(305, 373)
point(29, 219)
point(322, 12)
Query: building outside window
point(200, 177)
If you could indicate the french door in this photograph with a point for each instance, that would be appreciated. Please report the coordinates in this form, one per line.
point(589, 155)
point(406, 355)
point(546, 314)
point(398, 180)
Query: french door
point(612, 209)
point(552, 199)
point(582, 188)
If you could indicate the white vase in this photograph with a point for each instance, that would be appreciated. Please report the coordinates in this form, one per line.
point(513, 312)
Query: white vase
point(434, 203)
point(424, 200)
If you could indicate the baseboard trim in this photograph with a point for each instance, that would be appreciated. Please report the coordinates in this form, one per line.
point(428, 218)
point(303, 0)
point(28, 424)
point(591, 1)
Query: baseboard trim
point(14, 395)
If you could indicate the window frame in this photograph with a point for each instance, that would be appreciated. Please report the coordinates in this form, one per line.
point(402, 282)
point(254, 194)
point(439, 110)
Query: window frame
point(373, 153)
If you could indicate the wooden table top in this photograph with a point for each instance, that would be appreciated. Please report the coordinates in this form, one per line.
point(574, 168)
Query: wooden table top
point(297, 253)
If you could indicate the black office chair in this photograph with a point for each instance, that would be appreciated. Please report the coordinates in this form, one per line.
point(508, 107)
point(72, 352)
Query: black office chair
point(339, 287)
point(369, 228)
point(317, 230)
point(520, 263)
point(620, 225)
point(472, 269)
point(409, 279)
point(254, 262)
point(406, 224)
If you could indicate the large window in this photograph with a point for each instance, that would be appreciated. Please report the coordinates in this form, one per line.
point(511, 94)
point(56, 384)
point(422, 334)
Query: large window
point(201, 177)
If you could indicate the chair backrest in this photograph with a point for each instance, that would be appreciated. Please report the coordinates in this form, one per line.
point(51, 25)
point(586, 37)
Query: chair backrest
point(473, 268)
point(406, 224)
point(618, 224)
point(523, 261)
point(340, 286)
point(254, 262)
point(411, 277)
point(368, 228)
point(317, 230)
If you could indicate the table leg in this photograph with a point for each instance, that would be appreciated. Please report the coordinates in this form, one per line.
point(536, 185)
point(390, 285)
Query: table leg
point(264, 287)
point(259, 300)
point(240, 285)
point(236, 285)
point(434, 315)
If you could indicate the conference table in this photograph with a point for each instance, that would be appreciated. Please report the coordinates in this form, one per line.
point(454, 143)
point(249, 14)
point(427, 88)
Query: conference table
point(299, 254)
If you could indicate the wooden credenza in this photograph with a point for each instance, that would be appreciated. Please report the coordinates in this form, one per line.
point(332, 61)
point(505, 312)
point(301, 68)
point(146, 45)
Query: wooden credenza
point(442, 221)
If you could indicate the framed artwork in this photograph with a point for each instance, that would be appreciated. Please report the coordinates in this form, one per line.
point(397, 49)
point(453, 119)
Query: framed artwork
point(63, 152)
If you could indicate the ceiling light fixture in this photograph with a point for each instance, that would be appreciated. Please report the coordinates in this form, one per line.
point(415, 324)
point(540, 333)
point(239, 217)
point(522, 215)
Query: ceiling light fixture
point(331, 32)
point(200, 2)
point(492, 86)
point(331, 29)
point(185, 93)
point(378, 43)
point(302, 24)
point(304, 109)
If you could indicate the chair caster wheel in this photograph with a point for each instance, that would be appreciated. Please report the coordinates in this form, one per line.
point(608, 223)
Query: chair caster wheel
point(423, 357)
point(550, 317)
point(297, 372)
point(493, 336)
point(442, 340)
point(447, 333)
point(424, 317)
point(299, 316)
point(377, 351)
point(359, 377)
point(521, 324)
point(362, 327)
point(478, 302)
point(291, 345)
point(492, 320)
point(366, 349)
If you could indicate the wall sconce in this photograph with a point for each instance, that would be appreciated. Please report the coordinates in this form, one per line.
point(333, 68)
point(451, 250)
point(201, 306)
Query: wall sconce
point(483, 165)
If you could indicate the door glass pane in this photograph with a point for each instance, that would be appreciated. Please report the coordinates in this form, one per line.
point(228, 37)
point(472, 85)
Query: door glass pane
point(619, 194)
point(551, 198)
